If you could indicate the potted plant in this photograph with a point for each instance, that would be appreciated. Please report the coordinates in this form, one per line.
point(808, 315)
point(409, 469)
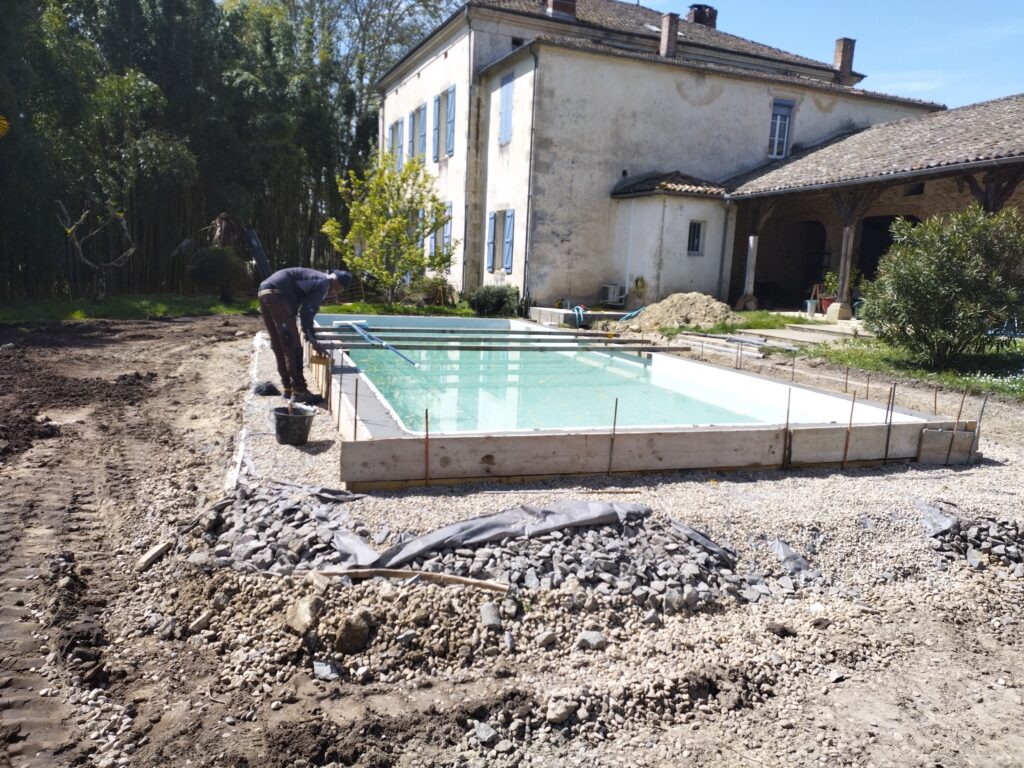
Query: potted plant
point(831, 290)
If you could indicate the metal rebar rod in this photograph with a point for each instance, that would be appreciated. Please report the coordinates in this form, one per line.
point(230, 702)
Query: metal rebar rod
point(935, 400)
point(889, 408)
point(515, 348)
point(488, 338)
point(977, 428)
point(355, 414)
point(787, 440)
point(956, 426)
point(849, 429)
point(867, 388)
point(846, 381)
point(611, 446)
point(792, 376)
point(384, 330)
point(426, 447)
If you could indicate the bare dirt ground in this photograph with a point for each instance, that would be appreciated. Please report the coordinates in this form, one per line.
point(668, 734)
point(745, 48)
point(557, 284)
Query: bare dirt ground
point(113, 434)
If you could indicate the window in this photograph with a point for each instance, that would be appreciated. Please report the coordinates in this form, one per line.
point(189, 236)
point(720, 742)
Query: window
point(395, 141)
point(444, 234)
point(912, 190)
point(778, 138)
point(417, 143)
point(517, 42)
point(500, 229)
point(444, 124)
point(695, 239)
point(505, 129)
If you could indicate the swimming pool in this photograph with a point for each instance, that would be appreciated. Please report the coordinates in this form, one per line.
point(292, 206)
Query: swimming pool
point(461, 398)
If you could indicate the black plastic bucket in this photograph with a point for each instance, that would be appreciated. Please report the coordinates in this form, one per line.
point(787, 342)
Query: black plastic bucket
point(293, 428)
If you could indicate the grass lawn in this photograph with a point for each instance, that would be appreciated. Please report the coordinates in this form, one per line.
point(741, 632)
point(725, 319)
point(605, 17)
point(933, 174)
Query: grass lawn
point(147, 306)
point(998, 372)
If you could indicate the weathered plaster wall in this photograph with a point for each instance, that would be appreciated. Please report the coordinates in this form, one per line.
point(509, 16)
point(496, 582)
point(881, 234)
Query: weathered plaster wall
point(505, 170)
point(650, 241)
point(445, 62)
point(599, 116)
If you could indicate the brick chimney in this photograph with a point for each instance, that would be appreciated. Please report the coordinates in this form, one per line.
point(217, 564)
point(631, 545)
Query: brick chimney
point(703, 14)
point(669, 35)
point(562, 8)
point(844, 61)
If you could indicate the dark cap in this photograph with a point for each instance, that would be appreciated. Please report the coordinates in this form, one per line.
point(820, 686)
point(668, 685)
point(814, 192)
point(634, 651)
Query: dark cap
point(344, 278)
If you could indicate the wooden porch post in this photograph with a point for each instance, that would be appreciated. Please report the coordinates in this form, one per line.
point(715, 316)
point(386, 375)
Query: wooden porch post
point(995, 188)
point(757, 215)
point(852, 206)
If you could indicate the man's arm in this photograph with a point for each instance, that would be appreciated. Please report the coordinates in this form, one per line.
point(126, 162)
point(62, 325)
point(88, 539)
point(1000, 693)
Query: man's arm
point(307, 311)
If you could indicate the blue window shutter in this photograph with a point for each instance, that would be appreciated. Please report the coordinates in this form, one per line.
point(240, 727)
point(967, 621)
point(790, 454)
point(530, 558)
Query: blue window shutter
point(437, 127)
point(432, 244)
point(448, 226)
point(391, 138)
point(510, 217)
point(400, 143)
point(490, 242)
point(419, 222)
point(412, 135)
point(423, 129)
point(449, 142)
point(505, 130)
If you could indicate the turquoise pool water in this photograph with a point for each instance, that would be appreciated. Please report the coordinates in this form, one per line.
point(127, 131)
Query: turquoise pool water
point(475, 391)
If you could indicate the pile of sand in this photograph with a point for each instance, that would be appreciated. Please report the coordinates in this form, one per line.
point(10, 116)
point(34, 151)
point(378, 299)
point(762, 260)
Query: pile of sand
point(680, 309)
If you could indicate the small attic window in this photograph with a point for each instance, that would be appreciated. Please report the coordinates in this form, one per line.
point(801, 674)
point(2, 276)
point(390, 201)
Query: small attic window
point(912, 190)
point(654, 28)
point(517, 42)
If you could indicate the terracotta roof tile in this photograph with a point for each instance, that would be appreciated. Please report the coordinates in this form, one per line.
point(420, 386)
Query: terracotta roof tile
point(672, 183)
point(638, 20)
point(989, 130)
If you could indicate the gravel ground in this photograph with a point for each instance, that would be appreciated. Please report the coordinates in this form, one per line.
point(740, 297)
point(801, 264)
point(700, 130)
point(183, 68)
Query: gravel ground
point(154, 648)
point(649, 690)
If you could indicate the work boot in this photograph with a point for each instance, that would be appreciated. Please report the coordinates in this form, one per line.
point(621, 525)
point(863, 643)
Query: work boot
point(305, 397)
point(287, 394)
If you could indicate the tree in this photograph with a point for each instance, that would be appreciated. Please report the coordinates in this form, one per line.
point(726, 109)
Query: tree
point(398, 226)
point(947, 283)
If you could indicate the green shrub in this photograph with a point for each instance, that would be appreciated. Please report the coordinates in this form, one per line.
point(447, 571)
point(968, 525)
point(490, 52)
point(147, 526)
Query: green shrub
point(946, 283)
point(495, 301)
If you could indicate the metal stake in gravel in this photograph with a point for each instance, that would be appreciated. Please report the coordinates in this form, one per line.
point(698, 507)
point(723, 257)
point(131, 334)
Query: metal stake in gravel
point(426, 447)
point(956, 426)
point(846, 381)
point(355, 413)
point(935, 400)
point(787, 445)
point(867, 388)
point(792, 376)
point(611, 446)
point(849, 429)
point(977, 427)
point(889, 408)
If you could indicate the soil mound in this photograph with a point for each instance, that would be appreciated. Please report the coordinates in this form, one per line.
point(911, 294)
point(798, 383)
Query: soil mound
point(695, 310)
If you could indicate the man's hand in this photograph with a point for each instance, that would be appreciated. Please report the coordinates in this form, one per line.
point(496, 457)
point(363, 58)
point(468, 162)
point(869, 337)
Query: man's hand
point(320, 349)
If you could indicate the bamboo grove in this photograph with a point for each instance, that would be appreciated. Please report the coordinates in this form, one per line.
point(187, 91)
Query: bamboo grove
point(130, 124)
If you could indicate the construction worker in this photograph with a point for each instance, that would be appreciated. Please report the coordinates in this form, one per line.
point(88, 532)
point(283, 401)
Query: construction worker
point(283, 295)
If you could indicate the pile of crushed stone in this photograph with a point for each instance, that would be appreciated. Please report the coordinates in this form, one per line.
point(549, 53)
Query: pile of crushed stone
point(695, 310)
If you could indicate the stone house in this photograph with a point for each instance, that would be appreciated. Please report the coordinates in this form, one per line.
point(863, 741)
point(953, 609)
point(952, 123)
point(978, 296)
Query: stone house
point(599, 151)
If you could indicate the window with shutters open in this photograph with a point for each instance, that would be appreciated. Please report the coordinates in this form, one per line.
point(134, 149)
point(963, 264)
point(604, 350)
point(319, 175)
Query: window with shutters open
point(500, 240)
point(395, 141)
point(505, 118)
point(443, 143)
point(778, 138)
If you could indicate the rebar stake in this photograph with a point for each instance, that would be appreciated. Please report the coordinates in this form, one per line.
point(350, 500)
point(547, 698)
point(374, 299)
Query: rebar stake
point(787, 440)
point(935, 401)
point(611, 446)
point(977, 428)
point(846, 381)
point(889, 408)
point(355, 414)
point(426, 447)
point(867, 388)
point(849, 429)
point(792, 376)
point(956, 426)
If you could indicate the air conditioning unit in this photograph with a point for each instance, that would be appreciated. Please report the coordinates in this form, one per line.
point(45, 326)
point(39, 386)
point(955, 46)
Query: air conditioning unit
point(613, 294)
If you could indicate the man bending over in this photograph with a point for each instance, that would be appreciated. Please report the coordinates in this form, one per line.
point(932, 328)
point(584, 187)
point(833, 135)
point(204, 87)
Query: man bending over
point(286, 293)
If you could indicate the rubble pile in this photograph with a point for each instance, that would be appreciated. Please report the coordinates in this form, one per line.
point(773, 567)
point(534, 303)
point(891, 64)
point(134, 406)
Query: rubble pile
point(988, 539)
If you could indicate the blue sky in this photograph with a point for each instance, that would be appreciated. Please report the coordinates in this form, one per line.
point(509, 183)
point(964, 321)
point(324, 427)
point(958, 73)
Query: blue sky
point(954, 53)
